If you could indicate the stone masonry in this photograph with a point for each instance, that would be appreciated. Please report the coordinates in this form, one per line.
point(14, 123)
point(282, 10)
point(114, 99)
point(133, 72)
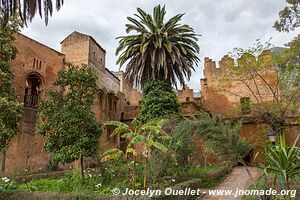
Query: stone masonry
point(36, 67)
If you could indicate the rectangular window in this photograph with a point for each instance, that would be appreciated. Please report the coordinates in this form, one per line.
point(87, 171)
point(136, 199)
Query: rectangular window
point(245, 105)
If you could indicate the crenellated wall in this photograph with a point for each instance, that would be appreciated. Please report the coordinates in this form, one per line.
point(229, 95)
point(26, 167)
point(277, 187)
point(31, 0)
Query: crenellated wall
point(36, 67)
point(222, 87)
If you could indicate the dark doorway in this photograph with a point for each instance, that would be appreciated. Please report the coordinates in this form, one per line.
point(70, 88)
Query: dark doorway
point(32, 90)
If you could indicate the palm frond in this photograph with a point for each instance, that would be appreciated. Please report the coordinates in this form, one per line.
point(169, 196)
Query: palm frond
point(158, 49)
point(27, 9)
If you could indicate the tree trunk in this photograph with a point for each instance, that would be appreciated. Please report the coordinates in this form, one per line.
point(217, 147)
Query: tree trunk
point(81, 167)
point(145, 173)
point(134, 161)
point(3, 162)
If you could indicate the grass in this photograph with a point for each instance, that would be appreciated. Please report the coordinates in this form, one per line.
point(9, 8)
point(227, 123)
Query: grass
point(71, 183)
point(195, 171)
point(211, 183)
point(97, 184)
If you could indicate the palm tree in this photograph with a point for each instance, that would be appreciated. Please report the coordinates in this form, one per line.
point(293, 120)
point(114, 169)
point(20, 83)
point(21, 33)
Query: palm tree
point(27, 9)
point(158, 50)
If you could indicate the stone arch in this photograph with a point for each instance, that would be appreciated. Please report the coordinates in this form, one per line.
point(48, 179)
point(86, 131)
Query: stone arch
point(34, 84)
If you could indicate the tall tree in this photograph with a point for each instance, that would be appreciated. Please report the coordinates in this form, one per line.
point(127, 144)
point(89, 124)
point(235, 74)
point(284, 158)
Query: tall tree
point(67, 120)
point(10, 109)
point(27, 9)
point(158, 49)
point(289, 17)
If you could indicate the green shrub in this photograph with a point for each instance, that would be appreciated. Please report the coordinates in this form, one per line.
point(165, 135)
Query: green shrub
point(219, 134)
point(182, 142)
point(159, 101)
point(7, 184)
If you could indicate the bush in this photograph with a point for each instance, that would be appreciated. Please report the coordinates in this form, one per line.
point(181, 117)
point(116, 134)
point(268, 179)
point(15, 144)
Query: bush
point(7, 184)
point(159, 101)
point(219, 134)
point(182, 142)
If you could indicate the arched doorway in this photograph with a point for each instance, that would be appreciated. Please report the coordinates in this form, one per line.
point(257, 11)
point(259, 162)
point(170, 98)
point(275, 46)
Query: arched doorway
point(33, 90)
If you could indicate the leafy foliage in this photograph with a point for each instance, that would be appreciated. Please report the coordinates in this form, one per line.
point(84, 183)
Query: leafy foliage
point(289, 17)
point(182, 142)
point(288, 62)
point(159, 50)
point(7, 184)
point(227, 139)
point(220, 135)
point(147, 135)
point(283, 161)
point(10, 109)
point(27, 9)
point(71, 183)
point(159, 101)
point(67, 122)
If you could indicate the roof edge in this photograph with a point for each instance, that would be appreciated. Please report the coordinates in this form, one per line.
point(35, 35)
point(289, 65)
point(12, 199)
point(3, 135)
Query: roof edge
point(40, 43)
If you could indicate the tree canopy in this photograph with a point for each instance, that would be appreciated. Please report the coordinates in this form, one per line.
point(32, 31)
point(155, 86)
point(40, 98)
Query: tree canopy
point(289, 17)
point(10, 108)
point(67, 121)
point(158, 49)
point(159, 102)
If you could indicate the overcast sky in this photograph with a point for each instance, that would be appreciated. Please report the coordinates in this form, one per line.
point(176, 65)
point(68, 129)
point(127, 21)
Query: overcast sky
point(223, 24)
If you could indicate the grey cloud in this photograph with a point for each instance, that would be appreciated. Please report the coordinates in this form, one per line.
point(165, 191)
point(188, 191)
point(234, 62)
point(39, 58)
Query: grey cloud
point(223, 24)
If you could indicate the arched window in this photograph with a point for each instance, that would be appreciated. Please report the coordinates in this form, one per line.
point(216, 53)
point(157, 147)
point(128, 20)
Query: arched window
point(33, 90)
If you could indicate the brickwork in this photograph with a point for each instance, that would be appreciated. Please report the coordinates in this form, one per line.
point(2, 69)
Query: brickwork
point(221, 97)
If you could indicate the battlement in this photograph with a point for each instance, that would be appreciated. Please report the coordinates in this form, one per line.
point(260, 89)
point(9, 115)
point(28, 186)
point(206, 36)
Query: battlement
point(212, 71)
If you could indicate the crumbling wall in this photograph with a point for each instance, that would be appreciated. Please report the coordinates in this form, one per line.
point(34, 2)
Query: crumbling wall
point(223, 95)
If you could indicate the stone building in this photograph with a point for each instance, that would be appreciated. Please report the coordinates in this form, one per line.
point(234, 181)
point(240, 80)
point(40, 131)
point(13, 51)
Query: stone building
point(190, 103)
point(228, 98)
point(36, 67)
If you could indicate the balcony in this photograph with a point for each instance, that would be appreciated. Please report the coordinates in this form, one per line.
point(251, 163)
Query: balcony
point(31, 101)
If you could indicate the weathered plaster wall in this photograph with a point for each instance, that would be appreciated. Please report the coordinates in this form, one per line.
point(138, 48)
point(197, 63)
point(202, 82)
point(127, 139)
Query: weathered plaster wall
point(26, 149)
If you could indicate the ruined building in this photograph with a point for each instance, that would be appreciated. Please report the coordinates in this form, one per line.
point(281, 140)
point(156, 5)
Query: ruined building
point(233, 100)
point(36, 67)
